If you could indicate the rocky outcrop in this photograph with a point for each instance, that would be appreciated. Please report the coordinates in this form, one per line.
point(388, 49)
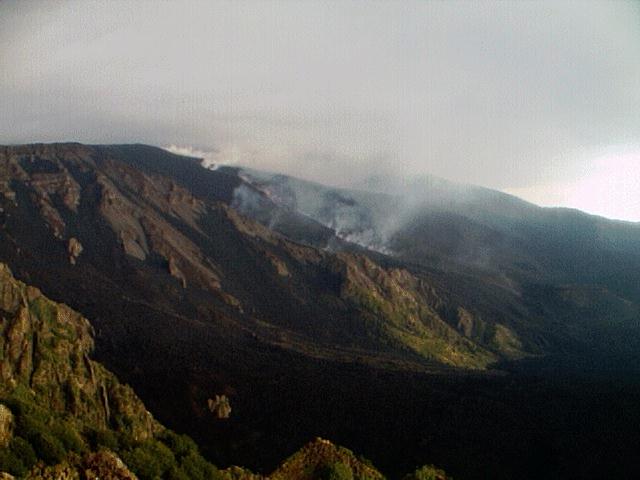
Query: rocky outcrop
point(47, 174)
point(74, 248)
point(239, 473)
point(398, 303)
point(103, 465)
point(6, 426)
point(61, 413)
point(46, 348)
point(319, 459)
point(144, 231)
point(219, 406)
point(49, 182)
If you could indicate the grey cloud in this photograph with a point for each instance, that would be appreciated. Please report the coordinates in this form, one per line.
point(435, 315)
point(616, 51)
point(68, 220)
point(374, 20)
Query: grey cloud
point(509, 95)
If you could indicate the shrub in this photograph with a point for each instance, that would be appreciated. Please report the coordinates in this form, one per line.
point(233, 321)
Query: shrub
point(197, 468)
point(23, 451)
point(149, 460)
point(336, 471)
point(427, 472)
point(103, 438)
point(44, 309)
point(191, 464)
point(176, 473)
point(180, 445)
point(48, 448)
point(29, 423)
point(18, 458)
point(69, 437)
point(11, 464)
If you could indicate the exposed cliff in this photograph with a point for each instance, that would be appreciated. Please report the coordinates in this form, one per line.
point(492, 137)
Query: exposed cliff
point(45, 351)
point(60, 411)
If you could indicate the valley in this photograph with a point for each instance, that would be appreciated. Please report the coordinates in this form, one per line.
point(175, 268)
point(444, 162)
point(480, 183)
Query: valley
point(479, 333)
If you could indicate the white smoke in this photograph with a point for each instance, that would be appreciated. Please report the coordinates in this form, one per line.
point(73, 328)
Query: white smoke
point(209, 158)
point(246, 200)
point(226, 154)
point(338, 210)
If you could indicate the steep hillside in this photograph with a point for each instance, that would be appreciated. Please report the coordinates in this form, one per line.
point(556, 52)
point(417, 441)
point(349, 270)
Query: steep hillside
point(63, 415)
point(61, 410)
point(233, 332)
point(191, 301)
point(508, 249)
point(103, 218)
point(452, 226)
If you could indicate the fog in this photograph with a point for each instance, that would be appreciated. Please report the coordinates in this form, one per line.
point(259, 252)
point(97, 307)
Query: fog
point(538, 99)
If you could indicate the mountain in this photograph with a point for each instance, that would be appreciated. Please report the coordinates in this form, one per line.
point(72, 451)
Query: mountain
point(246, 322)
point(500, 256)
point(63, 415)
point(99, 213)
point(466, 226)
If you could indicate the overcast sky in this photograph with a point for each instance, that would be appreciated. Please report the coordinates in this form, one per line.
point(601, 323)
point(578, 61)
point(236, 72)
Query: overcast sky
point(539, 99)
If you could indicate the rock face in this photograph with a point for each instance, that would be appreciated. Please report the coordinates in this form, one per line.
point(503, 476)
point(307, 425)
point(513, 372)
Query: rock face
point(219, 406)
point(46, 348)
point(61, 413)
point(407, 305)
point(74, 247)
point(6, 426)
point(106, 465)
point(144, 221)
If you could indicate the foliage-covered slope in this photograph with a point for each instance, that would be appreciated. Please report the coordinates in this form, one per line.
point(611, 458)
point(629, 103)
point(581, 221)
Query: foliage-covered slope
point(63, 415)
point(58, 405)
point(320, 459)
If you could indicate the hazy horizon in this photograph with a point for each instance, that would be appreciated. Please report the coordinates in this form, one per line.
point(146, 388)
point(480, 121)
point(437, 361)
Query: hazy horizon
point(539, 100)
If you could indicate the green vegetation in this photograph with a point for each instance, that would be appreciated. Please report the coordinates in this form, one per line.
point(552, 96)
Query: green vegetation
point(322, 460)
point(335, 471)
point(65, 405)
point(18, 457)
point(427, 472)
point(41, 435)
point(170, 456)
point(38, 430)
point(398, 316)
point(38, 435)
point(151, 459)
point(103, 439)
point(44, 309)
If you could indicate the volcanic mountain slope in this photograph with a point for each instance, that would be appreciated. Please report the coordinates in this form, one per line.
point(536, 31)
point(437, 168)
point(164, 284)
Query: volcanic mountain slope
point(193, 303)
point(63, 415)
point(90, 213)
point(468, 226)
point(475, 235)
point(191, 300)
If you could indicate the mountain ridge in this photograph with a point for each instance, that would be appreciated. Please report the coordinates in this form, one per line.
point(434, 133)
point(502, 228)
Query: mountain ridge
point(191, 297)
